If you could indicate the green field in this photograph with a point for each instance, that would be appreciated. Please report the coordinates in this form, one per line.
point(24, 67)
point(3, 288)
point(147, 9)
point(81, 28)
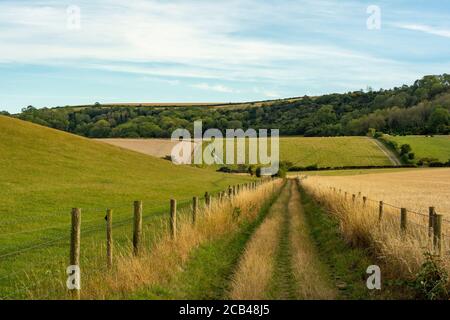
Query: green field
point(330, 151)
point(45, 172)
point(437, 147)
point(351, 172)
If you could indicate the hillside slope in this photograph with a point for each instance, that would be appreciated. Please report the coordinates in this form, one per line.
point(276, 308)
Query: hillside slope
point(45, 172)
point(39, 163)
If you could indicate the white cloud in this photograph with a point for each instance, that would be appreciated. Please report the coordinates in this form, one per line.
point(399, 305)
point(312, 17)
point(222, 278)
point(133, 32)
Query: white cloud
point(278, 46)
point(427, 29)
point(217, 88)
point(180, 39)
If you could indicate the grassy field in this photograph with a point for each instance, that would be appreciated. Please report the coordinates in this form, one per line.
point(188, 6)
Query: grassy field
point(349, 172)
point(301, 151)
point(332, 151)
point(437, 147)
point(46, 172)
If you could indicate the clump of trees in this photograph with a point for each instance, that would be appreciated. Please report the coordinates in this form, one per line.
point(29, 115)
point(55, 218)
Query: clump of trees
point(421, 108)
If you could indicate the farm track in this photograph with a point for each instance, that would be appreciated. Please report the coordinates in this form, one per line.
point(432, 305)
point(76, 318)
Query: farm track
point(281, 261)
point(392, 157)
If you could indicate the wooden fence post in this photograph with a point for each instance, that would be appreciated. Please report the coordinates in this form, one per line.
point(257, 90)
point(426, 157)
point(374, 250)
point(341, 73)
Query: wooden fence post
point(364, 201)
point(75, 246)
point(194, 209)
point(207, 198)
point(137, 227)
point(380, 211)
point(353, 198)
point(173, 218)
point(437, 227)
point(230, 192)
point(403, 219)
point(431, 214)
point(109, 240)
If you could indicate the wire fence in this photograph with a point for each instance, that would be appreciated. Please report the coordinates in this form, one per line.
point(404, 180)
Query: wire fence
point(99, 225)
point(358, 196)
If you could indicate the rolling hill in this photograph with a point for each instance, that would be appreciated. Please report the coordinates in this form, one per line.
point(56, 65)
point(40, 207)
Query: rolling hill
point(45, 172)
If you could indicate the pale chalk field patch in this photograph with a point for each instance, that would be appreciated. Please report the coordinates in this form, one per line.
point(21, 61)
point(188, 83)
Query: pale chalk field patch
point(152, 147)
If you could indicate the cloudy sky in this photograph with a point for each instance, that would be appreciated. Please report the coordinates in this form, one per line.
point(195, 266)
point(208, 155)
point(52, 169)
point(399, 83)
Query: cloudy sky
point(73, 52)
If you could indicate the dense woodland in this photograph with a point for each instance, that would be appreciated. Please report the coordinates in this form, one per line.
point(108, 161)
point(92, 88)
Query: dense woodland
point(421, 108)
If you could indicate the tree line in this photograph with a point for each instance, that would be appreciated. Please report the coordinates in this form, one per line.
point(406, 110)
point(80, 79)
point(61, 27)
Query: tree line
point(420, 108)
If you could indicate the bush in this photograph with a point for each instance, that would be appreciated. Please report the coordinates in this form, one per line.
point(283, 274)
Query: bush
point(281, 173)
point(405, 149)
point(404, 158)
point(437, 164)
point(224, 169)
point(426, 161)
point(431, 282)
point(258, 172)
point(411, 156)
point(378, 134)
point(311, 167)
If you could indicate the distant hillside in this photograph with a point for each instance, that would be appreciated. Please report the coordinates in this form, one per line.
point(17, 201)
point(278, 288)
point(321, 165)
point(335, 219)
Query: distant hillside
point(421, 108)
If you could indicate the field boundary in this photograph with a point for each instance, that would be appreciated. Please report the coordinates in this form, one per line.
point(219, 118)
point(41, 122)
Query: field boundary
point(392, 157)
point(136, 221)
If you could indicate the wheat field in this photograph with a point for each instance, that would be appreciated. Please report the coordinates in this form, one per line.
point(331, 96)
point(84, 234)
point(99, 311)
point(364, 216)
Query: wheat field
point(360, 223)
point(416, 190)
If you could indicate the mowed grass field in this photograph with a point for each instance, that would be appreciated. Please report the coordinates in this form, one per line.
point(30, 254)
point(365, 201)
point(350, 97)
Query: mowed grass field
point(332, 151)
point(44, 173)
point(300, 151)
point(437, 147)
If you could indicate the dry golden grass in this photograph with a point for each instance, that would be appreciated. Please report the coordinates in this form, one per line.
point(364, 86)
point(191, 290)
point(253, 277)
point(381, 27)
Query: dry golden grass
point(306, 268)
point(162, 262)
point(415, 189)
point(401, 252)
point(252, 278)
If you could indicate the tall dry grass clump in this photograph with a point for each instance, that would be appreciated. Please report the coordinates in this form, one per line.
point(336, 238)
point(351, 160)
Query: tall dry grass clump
point(402, 251)
point(160, 263)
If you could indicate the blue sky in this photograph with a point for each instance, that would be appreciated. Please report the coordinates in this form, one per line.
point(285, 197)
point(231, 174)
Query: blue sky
point(212, 51)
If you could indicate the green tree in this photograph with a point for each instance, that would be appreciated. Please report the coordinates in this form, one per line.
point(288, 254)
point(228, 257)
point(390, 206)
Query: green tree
point(101, 129)
point(439, 119)
point(405, 149)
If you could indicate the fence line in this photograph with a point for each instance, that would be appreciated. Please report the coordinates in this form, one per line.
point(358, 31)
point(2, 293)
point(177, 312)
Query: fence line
point(220, 196)
point(377, 201)
point(434, 220)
